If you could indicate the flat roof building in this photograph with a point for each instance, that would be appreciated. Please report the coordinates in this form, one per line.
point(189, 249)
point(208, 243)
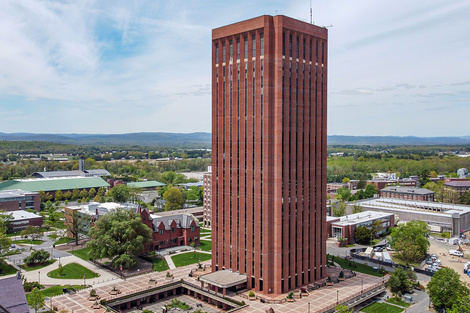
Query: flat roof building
point(18, 199)
point(407, 193)
point(269, 84)
point(21, 219)
point(451, 217)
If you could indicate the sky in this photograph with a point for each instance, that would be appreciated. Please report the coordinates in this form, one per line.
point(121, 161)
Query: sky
point(397, 68)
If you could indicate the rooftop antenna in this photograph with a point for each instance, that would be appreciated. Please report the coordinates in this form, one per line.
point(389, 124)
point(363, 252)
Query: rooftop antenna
point(311, 14)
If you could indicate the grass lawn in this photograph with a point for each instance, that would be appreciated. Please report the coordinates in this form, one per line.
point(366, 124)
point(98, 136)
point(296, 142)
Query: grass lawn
point(15, 233)
point(159, 264)
point(56, 290)
point(358, 267)
point(81, 253)
point(6, 269)
point(63, 240)
point(190, 258)
point(400, 261)
point(205, 245)
point(381, 308)
point(27, 242)
point(399, 302)
point(73, 271)
point(36, 266)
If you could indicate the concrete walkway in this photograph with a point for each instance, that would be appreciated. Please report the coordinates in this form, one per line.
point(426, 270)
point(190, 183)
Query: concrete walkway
point(169, 261)
point(41, 274)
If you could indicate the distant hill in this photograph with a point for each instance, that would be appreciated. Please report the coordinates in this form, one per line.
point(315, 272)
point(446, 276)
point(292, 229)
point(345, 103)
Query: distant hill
point(203, 140)
point(200, 140)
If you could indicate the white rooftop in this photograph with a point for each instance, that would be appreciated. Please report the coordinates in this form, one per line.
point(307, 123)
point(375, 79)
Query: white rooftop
point(103, 208)
point(361, 217)
point(424, 207)
point(22, 215)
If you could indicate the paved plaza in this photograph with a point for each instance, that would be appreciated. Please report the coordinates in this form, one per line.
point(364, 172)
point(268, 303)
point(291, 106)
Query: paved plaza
point(193, 302)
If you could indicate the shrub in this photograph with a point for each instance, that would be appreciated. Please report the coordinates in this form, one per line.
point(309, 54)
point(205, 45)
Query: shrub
point(251, 293)
point(92, 293)
point(290, 295)
point(39, 256)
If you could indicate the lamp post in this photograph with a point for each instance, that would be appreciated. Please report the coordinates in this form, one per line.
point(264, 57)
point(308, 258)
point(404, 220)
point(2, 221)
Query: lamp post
point(362, 286)
point(309, 307)
point(84, 279)
point(337, 296)
point(39, 277)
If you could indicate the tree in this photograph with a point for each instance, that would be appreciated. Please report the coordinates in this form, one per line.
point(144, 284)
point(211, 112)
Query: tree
point(119, 235)
point(67, 195)
point(92, 192)
point(39, 256)
point(363, 235)
point(445, 288)
point(410, 241)
point(60, 269)
point(461, 305)
point(34, 232)
point(465, 198)
point(341, 308)
point(58, 195)
point(77, 224)
point(361, 184)
point(345, 180)
point(83, 194)
point(120, 193)
point(4, 239)
point(401, 280)
point(357, 208)
point(376, 228)
point(75, 194)
point(339, 209)
point(343, 194)
point(36, 299)
point(174, 199)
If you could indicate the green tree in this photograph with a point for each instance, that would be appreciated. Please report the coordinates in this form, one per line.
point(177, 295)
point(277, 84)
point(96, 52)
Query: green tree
point(34, 232)
point(445, 288)
point(67, 195)
point(174, 199)
point(401, 280)
point(122, 193)
point(83, 194)
point(363, 235)
point(341, 308)
point(92, 193)
point(410, 241)
point(39, 256)
point(58, 195)
point(77, 224)
point(36, 299)
point(465, 198)
point(119, 235)
point(75, 194)
point(4, 239)
point(340, 209)
point(343, 194)
point(376, 228)
point(60, 269)
point(461, 305)
point(361, 184)
point(357, 208)
point(345, 180)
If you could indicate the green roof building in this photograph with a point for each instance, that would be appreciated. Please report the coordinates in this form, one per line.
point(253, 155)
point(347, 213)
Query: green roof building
point(152, 184)
point(54, 184)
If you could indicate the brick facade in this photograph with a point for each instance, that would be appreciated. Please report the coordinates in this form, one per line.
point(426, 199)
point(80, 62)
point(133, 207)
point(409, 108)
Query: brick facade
point(269, 84)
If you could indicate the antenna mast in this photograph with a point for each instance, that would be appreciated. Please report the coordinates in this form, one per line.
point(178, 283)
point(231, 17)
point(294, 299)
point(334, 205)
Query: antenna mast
point(311, 16)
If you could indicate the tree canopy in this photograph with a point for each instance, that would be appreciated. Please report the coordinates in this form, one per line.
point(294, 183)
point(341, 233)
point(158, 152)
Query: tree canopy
point(410, 241)
point(119, 235)
point(445, 288)
point(401, 280)
point(174, 199)
point(4, 240)
point(363, 235)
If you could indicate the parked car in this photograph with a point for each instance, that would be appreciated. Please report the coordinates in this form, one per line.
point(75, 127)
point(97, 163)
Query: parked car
point(456, 253)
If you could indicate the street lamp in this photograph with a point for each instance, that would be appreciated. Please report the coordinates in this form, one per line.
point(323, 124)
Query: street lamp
point(84, 279)
point(362, 286)
point(309, 307)
point(39, 277)
point(337, 296)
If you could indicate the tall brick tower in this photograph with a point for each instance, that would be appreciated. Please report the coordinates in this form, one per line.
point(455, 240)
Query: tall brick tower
point(269, 79)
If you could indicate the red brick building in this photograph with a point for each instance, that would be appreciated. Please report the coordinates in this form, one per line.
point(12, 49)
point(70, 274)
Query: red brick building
point(21, 219)
point(207, 199)
point(17, 199)
point(269, 93)
point(459, 186)
point(407, 193)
